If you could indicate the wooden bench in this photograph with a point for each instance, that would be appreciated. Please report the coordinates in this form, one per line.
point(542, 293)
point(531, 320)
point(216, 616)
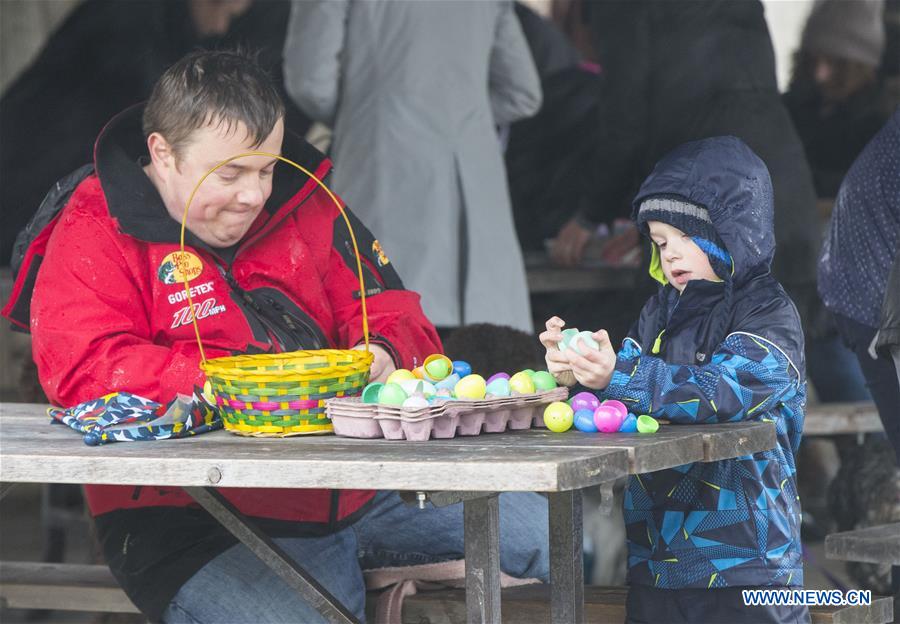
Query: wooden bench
point(825, 419)
point(877, 544)
point(530, 604)
point(76, 587)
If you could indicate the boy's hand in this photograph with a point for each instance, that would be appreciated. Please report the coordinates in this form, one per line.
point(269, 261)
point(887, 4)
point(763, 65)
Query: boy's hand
point(594, 369)
point(557, 362)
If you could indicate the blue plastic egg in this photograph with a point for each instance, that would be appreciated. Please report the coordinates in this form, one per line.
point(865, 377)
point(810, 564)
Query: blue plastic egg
point(462, 368)
point(629, 425)
point(584, 421)
point(499, 387)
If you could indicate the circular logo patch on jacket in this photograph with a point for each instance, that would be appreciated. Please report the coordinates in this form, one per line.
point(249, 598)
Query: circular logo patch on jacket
point(178, 267)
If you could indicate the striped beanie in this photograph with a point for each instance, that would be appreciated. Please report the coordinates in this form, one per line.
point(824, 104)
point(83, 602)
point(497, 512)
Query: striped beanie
point(694, 221)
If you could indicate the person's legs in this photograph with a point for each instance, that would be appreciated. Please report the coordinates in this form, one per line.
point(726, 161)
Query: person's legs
point(393, 533)
point(238, 587)
point(881, 377)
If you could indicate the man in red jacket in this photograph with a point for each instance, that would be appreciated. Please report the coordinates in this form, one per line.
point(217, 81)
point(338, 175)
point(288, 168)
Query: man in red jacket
point(271, 268)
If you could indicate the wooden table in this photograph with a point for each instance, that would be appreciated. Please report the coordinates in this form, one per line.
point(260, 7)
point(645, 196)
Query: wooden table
point(473, 470)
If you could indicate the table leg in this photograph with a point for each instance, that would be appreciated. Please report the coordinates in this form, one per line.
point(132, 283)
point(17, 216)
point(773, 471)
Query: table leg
point(481, 521)
point(566, 558)
point(272, 555)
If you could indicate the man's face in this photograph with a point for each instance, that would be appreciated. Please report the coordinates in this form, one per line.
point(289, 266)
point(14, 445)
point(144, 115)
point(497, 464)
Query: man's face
point(230, 199)
point(682, 260)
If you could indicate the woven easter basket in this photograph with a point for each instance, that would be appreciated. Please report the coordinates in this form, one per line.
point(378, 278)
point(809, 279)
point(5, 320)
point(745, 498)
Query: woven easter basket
point(283, 394)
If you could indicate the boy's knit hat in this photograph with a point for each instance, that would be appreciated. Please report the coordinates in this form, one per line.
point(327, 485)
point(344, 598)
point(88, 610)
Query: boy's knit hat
point(694, 221)
point(846, 29)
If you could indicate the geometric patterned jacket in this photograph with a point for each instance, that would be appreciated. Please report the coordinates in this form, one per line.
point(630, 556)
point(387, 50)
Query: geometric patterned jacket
point(731, 523)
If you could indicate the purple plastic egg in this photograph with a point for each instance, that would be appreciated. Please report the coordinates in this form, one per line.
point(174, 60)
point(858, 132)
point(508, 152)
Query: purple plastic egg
point(607, 419)
point(584, 421)
point(584, 400)
point(498, 376)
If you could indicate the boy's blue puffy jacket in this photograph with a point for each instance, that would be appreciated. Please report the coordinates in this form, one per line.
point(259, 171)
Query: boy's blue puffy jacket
point(731, 523)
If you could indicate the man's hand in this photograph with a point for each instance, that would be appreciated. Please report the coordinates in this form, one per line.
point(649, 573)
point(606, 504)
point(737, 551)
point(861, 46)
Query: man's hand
point(568, 246)
point(594, 369)
point(557, 362)
point(382, 365)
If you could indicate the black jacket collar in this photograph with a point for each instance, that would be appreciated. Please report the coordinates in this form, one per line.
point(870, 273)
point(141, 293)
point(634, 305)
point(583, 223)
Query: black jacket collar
point(136, 204)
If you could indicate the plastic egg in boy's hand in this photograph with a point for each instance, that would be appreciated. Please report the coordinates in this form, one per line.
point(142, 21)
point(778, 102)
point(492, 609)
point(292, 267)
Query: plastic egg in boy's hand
point(558, 417)
point(582, 341)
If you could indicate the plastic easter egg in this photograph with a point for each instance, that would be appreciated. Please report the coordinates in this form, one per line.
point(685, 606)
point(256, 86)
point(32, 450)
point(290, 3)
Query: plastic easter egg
point(584, 401)
point(444, 393)
point(415, 402)
point(437, 366)
point(607, 419)
point(530, 371)
point(419, 372)
point(498, 376)
point(461, 368)
point(582, 341)
point(499, 387)
point(521, 383)
point(401, 374)
point(620, 407)
point(567, 335)
point(370, 392)
point(449, 382)
point(647, 424)
point(543, 381)
point(584, 421)
point(558, 417)
point(391, 394)
point(629, 425)
point(417, 386)
point(470, 387)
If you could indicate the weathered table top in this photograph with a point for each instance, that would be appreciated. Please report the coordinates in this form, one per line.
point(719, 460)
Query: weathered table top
point(878, 544)
point(32, 450)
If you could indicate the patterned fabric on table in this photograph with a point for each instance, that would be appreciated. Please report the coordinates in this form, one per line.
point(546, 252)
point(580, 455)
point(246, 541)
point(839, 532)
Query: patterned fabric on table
point(125, 417)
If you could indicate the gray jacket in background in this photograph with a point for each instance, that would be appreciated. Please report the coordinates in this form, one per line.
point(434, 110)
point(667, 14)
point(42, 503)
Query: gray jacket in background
point(414, 92)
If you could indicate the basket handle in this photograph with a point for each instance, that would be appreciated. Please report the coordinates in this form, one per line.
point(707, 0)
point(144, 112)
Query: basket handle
point(187, 290)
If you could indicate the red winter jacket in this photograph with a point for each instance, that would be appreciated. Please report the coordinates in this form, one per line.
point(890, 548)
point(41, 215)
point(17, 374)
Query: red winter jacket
point(108, 311)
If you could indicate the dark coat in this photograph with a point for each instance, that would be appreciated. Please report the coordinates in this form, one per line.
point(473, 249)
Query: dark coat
point(106, 56)
point(721, 358)
point(677, 71)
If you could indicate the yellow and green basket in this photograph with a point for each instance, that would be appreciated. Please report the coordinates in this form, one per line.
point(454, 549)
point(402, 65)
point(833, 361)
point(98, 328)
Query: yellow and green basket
point(283, 394)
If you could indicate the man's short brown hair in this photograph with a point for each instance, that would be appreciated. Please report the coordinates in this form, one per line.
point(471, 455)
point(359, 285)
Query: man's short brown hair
point(212, 87)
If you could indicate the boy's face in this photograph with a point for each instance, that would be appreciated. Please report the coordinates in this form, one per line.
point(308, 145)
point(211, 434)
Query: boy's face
point(230, 199)
point(682, 260)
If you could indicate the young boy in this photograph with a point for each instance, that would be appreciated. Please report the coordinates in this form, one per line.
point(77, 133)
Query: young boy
point(720, 342)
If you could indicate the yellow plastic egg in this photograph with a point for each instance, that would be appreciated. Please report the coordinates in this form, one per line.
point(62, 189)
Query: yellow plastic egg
point(470, 387)
point(521, 383)
point(558, 417)
point(401, 374)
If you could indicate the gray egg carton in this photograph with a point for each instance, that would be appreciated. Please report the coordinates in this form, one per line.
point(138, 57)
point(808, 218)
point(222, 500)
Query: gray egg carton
point(442, 419)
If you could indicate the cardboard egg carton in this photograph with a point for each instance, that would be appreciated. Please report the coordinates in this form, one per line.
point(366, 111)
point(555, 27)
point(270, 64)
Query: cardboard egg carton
point(442, 419)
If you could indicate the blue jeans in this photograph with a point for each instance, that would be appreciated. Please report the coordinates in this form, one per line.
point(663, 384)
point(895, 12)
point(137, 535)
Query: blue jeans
point(237, 587)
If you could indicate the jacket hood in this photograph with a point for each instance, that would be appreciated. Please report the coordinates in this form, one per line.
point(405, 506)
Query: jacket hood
point(726, 177)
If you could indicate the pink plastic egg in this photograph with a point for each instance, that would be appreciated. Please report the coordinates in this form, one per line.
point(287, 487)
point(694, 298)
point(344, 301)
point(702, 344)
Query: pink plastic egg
point(607, 419)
